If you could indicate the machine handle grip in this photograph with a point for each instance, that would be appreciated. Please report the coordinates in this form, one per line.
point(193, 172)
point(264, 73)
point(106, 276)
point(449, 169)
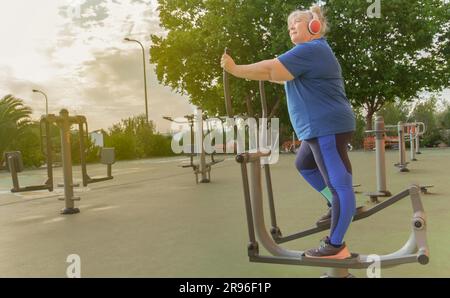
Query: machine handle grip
point(226, 88)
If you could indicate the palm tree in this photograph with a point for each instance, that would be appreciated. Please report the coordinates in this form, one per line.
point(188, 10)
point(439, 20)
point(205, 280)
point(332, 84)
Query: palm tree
point(14, 118)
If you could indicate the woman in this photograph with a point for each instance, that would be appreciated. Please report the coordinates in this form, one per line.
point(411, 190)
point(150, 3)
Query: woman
point(321, 116)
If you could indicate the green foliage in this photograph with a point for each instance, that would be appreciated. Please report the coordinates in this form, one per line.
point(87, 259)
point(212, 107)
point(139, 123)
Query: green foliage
point(135, 138)
point(29, 144)
point(444, 124)
point(359, 135)
point(14, 119)
point(445, 136)
point(383, 60)
point(426, 112)
point(188, 58)
point(132, 138)
point(92, 151)
point(392, 58)
point(124, 144)
point(444, 118)
point(394, 112)
point(160, 146)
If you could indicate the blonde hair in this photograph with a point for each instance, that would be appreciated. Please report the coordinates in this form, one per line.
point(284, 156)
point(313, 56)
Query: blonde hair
point(308, 15)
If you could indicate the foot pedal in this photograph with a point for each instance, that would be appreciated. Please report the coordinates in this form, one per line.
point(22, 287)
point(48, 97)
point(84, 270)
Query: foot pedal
point(359, 210)
point(353, 257)
point(73, 199)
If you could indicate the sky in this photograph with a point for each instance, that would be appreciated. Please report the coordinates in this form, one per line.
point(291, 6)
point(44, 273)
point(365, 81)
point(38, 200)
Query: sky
point(73, 50)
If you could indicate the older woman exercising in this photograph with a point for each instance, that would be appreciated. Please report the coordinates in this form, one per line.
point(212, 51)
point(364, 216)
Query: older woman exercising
point(321, 116)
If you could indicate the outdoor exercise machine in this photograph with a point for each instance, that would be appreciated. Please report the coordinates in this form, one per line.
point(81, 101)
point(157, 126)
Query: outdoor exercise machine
point(380, 138)
point(201, 168)
point(404, 132)
point(415, 249)
point(292, 146)
point(414, 131)
point(64, 122)
point(107, 155)
point(14, 162)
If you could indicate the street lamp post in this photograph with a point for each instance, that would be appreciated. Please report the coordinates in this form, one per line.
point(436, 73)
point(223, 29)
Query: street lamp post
point(145, 75)
point(46, 100)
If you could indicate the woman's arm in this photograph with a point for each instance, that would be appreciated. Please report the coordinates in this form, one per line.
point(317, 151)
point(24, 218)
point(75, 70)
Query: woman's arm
point(267, 70)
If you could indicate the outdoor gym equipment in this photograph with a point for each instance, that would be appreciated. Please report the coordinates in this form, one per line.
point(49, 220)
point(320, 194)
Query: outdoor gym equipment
point(201, 167)
point(405, 131)
point(414, 250)
point(293, 145)
point(107, 155)
point(64, 122)
point(380, 137)
point(14, 162)
point(415, 131)
point(380, 134)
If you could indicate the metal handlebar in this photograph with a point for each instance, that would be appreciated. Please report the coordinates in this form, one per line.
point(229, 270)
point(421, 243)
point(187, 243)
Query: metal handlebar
point(424, 130)
point(226, 88)
point(391, 127)
point(228, 101)
point(41, 123)
point(262, 92)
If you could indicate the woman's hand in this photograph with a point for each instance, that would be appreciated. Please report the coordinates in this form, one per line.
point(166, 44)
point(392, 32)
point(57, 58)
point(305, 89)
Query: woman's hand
point(267, 70)
point(227, 63)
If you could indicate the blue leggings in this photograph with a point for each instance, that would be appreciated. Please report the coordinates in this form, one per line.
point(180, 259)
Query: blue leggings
point(325, 165)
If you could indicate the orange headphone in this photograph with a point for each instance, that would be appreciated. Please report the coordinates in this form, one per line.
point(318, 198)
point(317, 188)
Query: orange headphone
point(314, 25)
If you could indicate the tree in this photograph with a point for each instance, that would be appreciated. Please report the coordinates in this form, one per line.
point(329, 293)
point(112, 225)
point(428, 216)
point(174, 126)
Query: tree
point(360, 133)
point(14, 118)
point(29, 144)
point(383, 60)
point(444, 124)
point(444, 118)
point(425, 112)
point(123, 137)
point(92, 152)
point(392, 58)
point(188, 58)
point(394, 112)
point(136, 138)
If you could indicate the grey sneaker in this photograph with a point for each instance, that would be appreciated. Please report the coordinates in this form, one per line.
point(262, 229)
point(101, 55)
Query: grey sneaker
point(324, 218)
point(328, 251)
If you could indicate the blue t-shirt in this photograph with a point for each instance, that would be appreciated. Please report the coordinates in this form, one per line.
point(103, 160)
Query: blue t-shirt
point(317, 103)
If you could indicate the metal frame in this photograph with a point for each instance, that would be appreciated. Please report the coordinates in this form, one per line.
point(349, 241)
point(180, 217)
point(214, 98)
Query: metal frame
point(15, 166)
point(414, 138)
point(201, 168)
point(414, 250)
point(64, 122)
point(380, 132)
point(83, 134)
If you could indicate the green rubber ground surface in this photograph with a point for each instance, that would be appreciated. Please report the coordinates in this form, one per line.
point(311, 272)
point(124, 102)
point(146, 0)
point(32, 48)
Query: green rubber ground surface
point(152, 220)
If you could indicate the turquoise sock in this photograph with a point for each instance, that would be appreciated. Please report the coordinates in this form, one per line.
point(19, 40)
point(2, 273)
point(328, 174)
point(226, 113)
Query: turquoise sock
point(326, 193)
